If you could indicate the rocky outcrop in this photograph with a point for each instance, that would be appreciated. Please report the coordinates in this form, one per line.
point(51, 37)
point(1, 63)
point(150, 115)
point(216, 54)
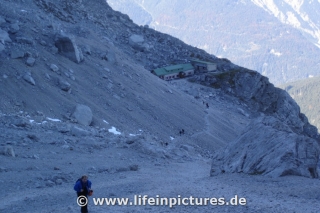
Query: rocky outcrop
point(67, 47)
point(269, 147)
point(280, 141)
point(261, 96)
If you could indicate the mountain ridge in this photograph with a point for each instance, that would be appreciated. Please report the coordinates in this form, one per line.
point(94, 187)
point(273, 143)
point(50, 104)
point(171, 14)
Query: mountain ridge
point(256, 40)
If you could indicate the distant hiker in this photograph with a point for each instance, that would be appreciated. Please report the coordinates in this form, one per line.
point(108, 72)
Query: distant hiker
point(181, 132)
point(83, 187)
point(207, 105)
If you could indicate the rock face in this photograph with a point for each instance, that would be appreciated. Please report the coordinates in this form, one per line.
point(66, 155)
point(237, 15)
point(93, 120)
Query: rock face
point(262, 96)
point(279, 142)
point(67, 47)
point(83, 114)
point(269, 147)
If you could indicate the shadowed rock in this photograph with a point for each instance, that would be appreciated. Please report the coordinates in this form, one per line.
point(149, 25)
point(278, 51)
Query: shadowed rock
point(67, 47)
point(64, 85)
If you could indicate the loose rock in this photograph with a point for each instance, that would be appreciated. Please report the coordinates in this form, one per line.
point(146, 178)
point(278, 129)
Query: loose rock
point(83, 114)
point(67, 47)
point(30, 61)
point(28, 78)
point(54, 68)
point(64, 85)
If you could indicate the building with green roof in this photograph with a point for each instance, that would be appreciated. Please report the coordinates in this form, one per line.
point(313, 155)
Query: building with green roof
point(203, 66)
point(174, 71)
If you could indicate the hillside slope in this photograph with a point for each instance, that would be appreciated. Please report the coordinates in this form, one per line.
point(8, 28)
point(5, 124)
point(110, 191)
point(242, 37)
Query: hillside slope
point(77, 96)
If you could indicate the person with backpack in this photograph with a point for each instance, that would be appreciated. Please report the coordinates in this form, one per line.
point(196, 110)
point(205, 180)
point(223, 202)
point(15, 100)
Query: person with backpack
point(83, 188)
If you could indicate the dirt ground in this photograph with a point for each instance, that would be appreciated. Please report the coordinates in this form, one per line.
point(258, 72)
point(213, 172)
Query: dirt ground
point(42, 180)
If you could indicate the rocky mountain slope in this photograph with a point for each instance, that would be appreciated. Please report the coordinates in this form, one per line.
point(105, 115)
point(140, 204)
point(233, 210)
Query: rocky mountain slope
point(77, 96)
point(278, 38)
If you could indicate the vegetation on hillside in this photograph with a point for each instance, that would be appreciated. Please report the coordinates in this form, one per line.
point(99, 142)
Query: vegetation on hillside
point(306, 94)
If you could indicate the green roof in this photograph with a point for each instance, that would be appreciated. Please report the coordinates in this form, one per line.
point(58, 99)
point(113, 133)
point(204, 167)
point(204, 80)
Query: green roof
point(173, 69)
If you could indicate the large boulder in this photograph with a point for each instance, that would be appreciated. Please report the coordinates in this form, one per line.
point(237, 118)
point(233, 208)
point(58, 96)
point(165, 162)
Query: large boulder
point(83, 114)
point(137, 42)
point(67, 47)
point(269, 147)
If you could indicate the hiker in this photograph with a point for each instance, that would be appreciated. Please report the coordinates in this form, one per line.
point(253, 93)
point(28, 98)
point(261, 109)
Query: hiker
point(83, 187)
point(181, 132)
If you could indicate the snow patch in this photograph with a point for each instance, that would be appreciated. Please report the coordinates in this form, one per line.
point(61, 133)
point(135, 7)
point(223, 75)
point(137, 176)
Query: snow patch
point(275, 52)
point(295, 4)
point(293, 20)
point(53, 119)
point(114, 131)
